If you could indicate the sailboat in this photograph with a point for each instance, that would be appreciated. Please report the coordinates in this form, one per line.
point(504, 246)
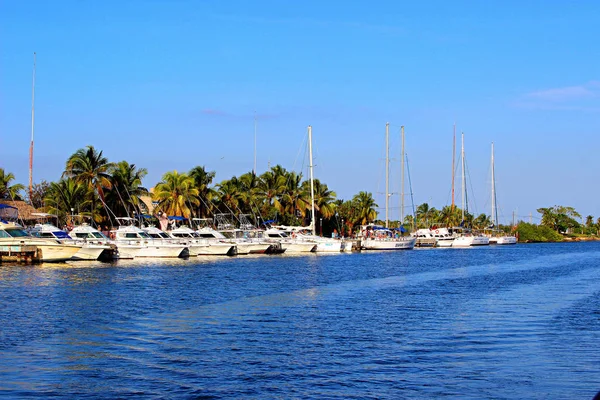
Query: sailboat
point(467, 238)
point(308, 233)
point(375, 237)
point(498, 238)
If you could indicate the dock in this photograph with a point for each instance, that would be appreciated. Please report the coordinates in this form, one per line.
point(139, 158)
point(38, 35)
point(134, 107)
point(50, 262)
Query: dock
point(20, 254)
point(425, 242)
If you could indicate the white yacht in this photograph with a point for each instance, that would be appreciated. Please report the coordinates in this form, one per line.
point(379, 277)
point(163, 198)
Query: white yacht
point(443, 237)
point(199, 246)
point(133, 242)
point(91, 235)
point(503, 239)
point(90, 250)
point(324, 244)
point(497, 236)
point(290, 244)
point(376, 237)
point(425, 238)
point(468, 239)
point(14, 238)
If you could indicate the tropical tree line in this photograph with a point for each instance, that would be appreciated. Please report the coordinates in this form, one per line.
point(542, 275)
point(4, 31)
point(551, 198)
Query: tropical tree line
point(91, 186)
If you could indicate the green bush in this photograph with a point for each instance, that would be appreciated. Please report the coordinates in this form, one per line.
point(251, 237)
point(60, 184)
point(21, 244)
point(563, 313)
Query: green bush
point(535, 233)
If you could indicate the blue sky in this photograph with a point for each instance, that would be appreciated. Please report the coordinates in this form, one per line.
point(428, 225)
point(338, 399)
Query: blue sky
point(174, 84)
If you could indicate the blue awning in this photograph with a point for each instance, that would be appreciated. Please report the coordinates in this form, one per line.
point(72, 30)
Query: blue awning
point(177, 218)
point(7, 206)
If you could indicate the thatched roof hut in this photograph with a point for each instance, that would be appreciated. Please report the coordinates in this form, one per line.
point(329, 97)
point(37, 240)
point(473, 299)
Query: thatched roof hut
point(24, 209)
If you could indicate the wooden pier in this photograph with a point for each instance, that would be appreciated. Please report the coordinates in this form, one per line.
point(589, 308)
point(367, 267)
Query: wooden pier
point(20, 254)
point(425, 242)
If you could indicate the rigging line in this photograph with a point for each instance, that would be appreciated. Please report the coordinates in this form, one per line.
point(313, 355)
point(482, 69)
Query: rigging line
point(122, 201)
point(471, 186)
point(303, 146)
point(412, 200)
point(107, 209)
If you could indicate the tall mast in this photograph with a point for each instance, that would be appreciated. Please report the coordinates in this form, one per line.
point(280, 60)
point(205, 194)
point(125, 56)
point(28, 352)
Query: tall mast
point(254, 170)
point(387, 171)
point(32, 125)
point(402, 179)
point(463, 180)
point(494, 206)
point(453, 163)
point(312, 185)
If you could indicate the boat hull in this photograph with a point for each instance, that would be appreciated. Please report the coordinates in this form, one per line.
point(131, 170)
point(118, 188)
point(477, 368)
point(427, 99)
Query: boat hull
point(374, 244)
point(213, 250)
point(502, 240)
point(90, 252)
point(298, 247)
point(165, 251)
point(335, 246)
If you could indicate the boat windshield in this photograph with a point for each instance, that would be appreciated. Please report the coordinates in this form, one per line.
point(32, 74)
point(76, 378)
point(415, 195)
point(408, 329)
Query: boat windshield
point(16, 233)
point(99, 235)
point(164, 235)
point(61, 235)
point(155, 235)
point(144, 235)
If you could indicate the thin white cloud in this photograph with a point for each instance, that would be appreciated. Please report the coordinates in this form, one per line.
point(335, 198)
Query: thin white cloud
point(584, 97)
point(562, 94)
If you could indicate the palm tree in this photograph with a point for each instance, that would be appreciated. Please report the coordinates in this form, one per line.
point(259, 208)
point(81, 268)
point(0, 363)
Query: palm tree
point(176, 193)
point(295, 199)
point(365, 204)
point(127, 192)
point(230, 195)
point(202, 181)
point(8, 191)
point(451, 216)
point(272, 184)
point(89, 167)
point(482, 221)
point(67, 197)
point(324, 199)
point(248, 186)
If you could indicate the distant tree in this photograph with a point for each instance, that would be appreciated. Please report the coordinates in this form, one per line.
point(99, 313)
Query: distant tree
point(559, 218)
point(8, 191)
point(38, 194)
point(67, 197)
point(589, 221)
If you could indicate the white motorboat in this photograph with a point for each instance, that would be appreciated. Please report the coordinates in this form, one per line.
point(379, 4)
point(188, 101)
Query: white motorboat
point(90, 250)
point(443, 237)
point(90, 235)
point(375, 237)
point(290, 244)
point(503, 239)
point(324, 244)
point(199, 246)
point(14, 238)
point(470, 239)
point(133, 242)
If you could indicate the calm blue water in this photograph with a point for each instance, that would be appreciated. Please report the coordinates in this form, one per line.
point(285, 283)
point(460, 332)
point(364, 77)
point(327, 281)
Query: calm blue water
point(520, 322)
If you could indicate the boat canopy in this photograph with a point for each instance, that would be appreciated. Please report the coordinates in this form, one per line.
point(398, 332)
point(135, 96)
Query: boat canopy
point(177, 218)
point(8, 212)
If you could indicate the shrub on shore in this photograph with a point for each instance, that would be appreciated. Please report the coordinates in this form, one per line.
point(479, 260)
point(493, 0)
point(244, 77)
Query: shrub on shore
point(537, 233)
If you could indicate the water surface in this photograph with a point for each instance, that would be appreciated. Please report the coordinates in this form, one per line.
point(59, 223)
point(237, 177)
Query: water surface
point(500, 323)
